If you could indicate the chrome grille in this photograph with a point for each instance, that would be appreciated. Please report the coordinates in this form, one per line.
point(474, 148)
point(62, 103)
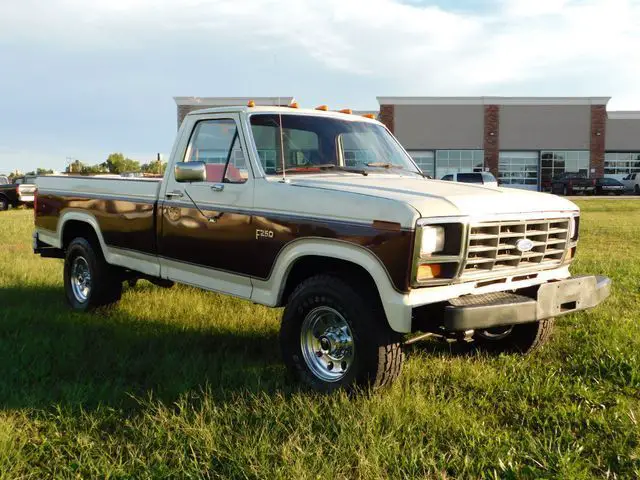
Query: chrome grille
point(492, 245)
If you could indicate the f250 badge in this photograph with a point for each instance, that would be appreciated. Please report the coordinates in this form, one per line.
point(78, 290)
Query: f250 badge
point(263, 234)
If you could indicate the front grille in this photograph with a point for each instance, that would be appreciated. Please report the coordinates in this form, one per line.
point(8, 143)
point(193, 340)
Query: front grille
point(492, 245)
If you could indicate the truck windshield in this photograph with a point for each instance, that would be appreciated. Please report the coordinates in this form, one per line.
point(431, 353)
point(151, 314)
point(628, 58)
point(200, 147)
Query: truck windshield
point(313, 143)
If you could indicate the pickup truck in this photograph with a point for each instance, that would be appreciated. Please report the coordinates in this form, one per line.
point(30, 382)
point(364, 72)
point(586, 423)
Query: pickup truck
point(259, 203)
point(570, 183)
point(20, 192)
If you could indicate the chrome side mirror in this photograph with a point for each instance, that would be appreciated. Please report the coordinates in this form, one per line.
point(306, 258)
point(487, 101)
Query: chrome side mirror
point(190, 172)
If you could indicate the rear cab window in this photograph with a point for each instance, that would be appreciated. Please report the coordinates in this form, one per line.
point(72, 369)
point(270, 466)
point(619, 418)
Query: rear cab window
point(470, 177)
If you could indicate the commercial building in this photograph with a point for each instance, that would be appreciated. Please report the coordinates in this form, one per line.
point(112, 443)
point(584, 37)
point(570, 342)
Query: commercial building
point(524, 141)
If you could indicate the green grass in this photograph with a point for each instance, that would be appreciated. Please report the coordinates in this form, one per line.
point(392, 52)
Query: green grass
point(185, 383)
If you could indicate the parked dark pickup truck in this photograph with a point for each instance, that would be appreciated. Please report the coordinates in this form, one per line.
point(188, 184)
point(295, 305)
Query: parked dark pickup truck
point(570, 183)
point(21, 192)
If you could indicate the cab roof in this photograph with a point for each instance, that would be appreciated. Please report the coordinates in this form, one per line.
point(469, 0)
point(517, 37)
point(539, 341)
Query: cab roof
point(284, 111)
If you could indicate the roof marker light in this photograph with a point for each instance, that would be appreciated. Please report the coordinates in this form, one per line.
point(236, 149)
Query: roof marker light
point(347, 111)
point(294, 105)
point(251, 104)
point(369, 115)
point(324, 108)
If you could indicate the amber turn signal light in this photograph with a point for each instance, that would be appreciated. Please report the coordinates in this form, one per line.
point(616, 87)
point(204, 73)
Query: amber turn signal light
point(428, 272)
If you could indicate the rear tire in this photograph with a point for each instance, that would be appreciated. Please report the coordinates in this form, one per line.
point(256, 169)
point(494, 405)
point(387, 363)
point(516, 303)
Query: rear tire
point(89, 281)
point(523, 338)
point(4, 204)
point(636, 189)
point(334, 337)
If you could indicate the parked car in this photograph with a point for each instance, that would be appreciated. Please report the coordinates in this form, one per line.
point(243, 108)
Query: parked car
point(357, 256)
point(632, 182)
point(21, 192)
point(481, 178)
point(609, 186)
point(570, 183)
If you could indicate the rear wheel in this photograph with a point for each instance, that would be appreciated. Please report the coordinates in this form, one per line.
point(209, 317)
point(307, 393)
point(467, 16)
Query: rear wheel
point(89, 281)
point(636, 189)
point(523, 338)
point(332, 337)
point(4, 204)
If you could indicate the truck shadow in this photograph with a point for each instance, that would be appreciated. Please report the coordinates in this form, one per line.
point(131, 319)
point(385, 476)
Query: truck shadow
point(50, 356)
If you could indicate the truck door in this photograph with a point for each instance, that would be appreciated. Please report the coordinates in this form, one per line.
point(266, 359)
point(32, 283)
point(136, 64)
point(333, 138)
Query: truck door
point(206, 233)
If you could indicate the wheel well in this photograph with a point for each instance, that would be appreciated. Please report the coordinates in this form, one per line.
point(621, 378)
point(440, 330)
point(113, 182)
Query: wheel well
point(77, 228)
point(311, 265)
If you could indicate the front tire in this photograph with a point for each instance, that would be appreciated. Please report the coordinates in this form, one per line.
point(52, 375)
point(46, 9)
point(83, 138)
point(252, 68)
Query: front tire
point(523, 338)
point(333, 338)
point(89, 281)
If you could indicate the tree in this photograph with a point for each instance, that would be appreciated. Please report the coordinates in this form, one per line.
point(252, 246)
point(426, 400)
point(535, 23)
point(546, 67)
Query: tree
point(44, 171)
point(117, 163)
point(76, 167)
point(156, 167)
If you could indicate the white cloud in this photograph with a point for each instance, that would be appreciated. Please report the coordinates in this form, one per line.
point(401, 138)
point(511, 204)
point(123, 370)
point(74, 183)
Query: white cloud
point(422, 49)
point(389, 47)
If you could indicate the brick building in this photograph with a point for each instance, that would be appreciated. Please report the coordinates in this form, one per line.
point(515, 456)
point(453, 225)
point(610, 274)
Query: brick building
point(523, 141)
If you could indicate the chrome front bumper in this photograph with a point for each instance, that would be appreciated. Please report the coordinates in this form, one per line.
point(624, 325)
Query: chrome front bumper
point(552, 299)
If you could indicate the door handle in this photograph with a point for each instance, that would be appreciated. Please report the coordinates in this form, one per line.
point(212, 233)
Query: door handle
point(175, 193)
point(217, 187)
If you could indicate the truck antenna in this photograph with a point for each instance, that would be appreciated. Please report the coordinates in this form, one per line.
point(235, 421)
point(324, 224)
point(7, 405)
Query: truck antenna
point(282, 162)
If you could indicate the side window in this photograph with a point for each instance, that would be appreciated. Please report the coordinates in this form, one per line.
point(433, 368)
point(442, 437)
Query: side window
point(217, 144)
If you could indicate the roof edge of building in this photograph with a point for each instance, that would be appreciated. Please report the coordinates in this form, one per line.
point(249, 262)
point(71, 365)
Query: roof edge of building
point(624, 115)
point(493, 100)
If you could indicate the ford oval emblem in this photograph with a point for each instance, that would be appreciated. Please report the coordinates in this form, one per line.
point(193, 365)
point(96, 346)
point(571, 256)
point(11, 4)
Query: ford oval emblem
point(524, 245)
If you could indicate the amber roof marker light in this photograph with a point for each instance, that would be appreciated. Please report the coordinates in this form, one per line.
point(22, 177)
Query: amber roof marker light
point(348, 111)
point(251, 104)
point(294, 105)
point(369, 115)
point(324, 108)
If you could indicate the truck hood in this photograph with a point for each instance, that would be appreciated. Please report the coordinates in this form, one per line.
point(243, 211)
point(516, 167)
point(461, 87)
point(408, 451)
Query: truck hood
point(440, 198)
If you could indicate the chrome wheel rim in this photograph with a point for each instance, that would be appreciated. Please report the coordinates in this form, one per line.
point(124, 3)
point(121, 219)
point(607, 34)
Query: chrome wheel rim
point(327, 344)
point(496, 333)
point(80, 279)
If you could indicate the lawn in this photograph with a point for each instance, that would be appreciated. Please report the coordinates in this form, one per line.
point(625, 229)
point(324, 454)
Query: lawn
point(185, 383)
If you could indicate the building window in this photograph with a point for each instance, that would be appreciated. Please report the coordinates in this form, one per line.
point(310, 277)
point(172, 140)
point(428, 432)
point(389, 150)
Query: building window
point(518, 170)
point(455, 161)
point(424, 160)
point(621, 163)
point(556, 162)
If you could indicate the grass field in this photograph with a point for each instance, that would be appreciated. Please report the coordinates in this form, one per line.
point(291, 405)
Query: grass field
point(184, 383)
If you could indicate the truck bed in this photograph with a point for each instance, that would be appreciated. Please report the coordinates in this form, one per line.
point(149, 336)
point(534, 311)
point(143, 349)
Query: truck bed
point(124, 209)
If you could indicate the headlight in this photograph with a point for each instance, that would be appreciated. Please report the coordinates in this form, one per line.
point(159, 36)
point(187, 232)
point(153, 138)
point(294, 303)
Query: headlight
point(432, 240)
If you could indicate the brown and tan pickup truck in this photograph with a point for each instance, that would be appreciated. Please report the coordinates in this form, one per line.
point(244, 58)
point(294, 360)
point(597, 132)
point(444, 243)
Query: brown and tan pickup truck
point(325, 214)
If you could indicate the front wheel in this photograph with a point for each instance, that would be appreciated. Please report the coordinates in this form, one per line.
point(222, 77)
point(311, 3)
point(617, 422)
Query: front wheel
point(332, 337)
point(89, 281)
point(523, 338)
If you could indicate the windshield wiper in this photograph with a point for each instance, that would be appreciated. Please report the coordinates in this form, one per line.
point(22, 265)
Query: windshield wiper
point(322, 166)
point(391, 165)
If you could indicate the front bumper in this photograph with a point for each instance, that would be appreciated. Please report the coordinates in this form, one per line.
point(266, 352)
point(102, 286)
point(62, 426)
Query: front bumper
point(552, 299)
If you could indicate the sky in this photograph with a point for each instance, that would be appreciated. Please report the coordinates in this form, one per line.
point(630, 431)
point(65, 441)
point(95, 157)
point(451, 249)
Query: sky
point(80, 79)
